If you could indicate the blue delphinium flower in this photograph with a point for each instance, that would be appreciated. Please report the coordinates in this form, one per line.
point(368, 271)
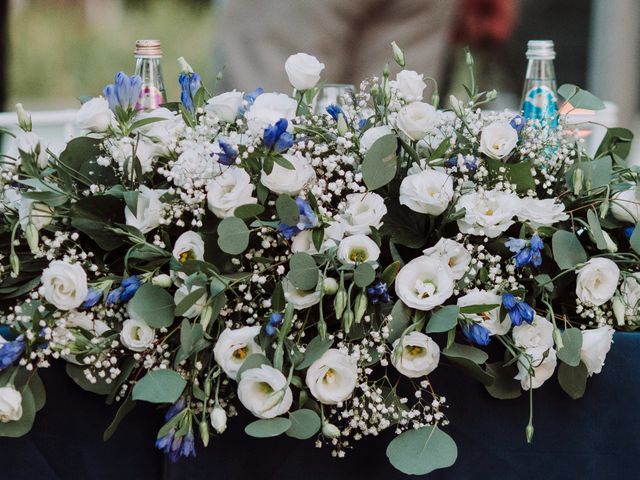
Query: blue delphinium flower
point(476, 333)
point(362, 123)
point(515, 244)
point(93, 297)
point(526, 255)
point(517, 123)
point(164, 443)
point(628, 231)
point(378, 292)
point(275, 320)
point(174, 409)
point(114, 296)
point(124, 92)
point(130, 286)
point(470, 162)
point(188, 448)
point(176, 447)
point(276, 136)
point(519, 311)
point(335, 111)
point(228, 155)
point(189, 85)
point(307, 220)
point(248, 99)
point(10, 352)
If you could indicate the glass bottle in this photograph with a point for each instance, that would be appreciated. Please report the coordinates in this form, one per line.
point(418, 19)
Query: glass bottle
point(331, 94)
point(539, 95)
point(148, 54)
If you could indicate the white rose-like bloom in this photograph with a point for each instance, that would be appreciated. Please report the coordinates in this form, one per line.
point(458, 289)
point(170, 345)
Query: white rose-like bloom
point(148, 209)
point(64, 285)
point(415, 355)
point(332, 378)
point(363, 212)
point(234, 346)
point(225, 106)
point(629, 299)
point(424, 283)
point(228, 191)
point(542, 370)
point(452, 254)
point(10, 404)
point(498, 140)
point(416, 119)
point(596, 343)
point(538, 334)
point(410, 85)
point(95, 115)
point(264, 392)
point(30, 211)
point(597, 281)
point(267, 109)
point(283, 180)
point(188, 246)
point(31, 143)
point(372, 134)
point(625, 205)
point(487, 213)
point(195, 309)
point(429, 191)
point(543, 212)
point(491, 318)
point(303, 71)
point(358, 249)
point(136, 335)
point(301, 299)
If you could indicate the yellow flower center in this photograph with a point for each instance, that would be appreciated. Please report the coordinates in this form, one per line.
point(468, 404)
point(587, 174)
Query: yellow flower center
point(330, 376)
point(358, 255)
point(414, 350)
point(184, 256)
point(240, 353)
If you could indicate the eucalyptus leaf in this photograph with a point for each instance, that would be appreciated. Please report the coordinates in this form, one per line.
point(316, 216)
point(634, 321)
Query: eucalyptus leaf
point(303, 271)
point(305, 424)
point(159, 386)
point(572, 343)
point(380, 164)
point(364, 275)
point(567, 249)
point(316, 348)
point(400, 318)
point(287, 210)
point(504, 386)
point(423, 450)
point(443, 319)
point(265, 428)
point(249, 210)
point(579, 98)
point(255, 360)
point(573, 380)
point(233, 235)
point(154, 305)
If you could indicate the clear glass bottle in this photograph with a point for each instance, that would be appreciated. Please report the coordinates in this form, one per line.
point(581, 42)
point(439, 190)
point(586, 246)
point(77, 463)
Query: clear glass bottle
point(148, 54)
point(539, 95)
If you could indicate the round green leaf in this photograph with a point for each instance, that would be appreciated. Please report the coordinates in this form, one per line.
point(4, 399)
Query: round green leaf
point(314, 351)
point(444, 319)
point(265, 428)
point(76, 372)
point(567, 249)
point(420, 451)
point(288, 210)
point(22, 426)
point(305, 424)
point(154, 305)
point(303, 272)
point(380, 165)
point(364, 275)
point(249, 210)
point(573, 380)
point(159, 386)
point(233, 236)
point(572, 344)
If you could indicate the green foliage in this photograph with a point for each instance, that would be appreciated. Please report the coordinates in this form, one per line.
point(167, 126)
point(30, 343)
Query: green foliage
point(567, 249)
point(404, 226)
point(154, 305)
point(504, 386)
point(616, 143)
point(469, 359)
point(364, 275)
point(255, 360)
point(21, 427)
point(316, 348)
point(159, 386)
point(573, 380)
point(265, 428)
point(380, 164)
point(579, 98)
point(288, 210)
point(233, 236)
point(303, 272)
point(76, 373)
point(304, 424)
point(400, 318)
point(516, 173)
point(597, 174)
point(572, 343)
point(443, 319)
point(250, 210)
point(94, 215)
point(634, 241)
point(423, 450)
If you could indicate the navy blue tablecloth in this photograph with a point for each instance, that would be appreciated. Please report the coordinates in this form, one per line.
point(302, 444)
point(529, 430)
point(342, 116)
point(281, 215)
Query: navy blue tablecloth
point(596, 437)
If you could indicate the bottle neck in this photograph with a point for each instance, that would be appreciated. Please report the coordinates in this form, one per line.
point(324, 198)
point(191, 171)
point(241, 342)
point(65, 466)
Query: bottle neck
point(540, 70)
point(153, 92)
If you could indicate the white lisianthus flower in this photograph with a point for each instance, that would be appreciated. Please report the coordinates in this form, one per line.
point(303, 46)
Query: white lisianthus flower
point(234, 346)
point(301, 299)
point(542, 369)
point(487, 213)
point(195, 309)
point(625, 205)
point(410, 85)
point(416, 119)
point(37, 213)
point(136, 335)
point(218, 418)
point(86, 321)
point(228, 191)
point(597, 281)
point(415, 355)
point(163, 133)
point(491, 318)
point(148, 210)
point(303, 71)
point(540, 213)
point(596, 343)
point(10, 198)
point(10, 404)
point(267, 109)
point(424, 283)
point(303, 241)
point(358, 249)
point(225, 106)
point(538, 334)
point(95, 115)
point(628, 300)
point(188, 246)
point(291, 182)
point(332, 378)
point(64, 285)
point(264, 392)
point(372, 134)
point(429, 191)
point(363, 212)
point(452, 254)
point(30, 143)
point(498, 140)
point(122, 152)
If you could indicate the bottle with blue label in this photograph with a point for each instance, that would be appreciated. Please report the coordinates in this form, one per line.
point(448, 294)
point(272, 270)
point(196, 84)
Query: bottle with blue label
point(539, 95)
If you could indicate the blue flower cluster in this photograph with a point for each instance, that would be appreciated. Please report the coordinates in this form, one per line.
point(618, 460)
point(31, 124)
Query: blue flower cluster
point(275, 320)
point(189, 85)
point(526, 253)
point(476, 333)
point(176, 446)
point(335, 111)
point(125, 291)
point(519, 311)
point(228, 155)
point(93, 297)
point(124, 92)
point(378, 292)
point(276, 136)
point(249, 98)
point(308, 219)
point(10, 352)
point(518, 122)
point(470, 162)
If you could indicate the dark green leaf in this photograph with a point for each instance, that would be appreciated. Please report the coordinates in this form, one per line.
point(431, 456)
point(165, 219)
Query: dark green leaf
point(573, 380)
point(125, 408)
point(400, 318)
point(504, 386)
point(249, 210)
point(388, 276)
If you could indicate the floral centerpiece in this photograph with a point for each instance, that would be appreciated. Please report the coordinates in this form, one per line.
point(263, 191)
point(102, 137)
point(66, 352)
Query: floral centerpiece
point(240, 251)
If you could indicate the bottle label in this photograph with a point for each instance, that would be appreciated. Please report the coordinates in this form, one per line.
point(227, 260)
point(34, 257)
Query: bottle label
point(540, 103)
point(150, 98)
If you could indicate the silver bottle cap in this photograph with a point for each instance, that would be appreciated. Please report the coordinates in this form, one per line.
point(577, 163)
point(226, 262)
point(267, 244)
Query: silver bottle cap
point(540, 50)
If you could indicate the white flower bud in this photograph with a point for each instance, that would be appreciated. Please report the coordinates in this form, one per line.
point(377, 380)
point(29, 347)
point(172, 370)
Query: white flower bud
point(24, 119)
point(163, 280)
point(398, 54)
point(219, 419)
point(32, 237)
point(184, 66)
point(329, 430)
point(330, 286)
point(342, 124)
